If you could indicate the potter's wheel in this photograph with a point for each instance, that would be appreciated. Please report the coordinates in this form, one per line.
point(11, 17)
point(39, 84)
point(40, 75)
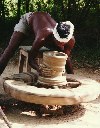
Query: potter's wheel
point(86, 91)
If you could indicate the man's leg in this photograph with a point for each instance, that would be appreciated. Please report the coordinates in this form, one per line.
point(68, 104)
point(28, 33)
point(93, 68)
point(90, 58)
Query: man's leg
point(14, 43)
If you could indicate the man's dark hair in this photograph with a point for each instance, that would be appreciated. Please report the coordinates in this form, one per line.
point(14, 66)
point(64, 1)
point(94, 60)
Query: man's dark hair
point(63, 30)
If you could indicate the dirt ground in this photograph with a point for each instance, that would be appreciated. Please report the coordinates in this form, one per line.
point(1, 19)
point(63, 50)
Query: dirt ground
point(87, 116)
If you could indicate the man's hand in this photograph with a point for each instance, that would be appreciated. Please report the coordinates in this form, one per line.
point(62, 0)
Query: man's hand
point(34, 64)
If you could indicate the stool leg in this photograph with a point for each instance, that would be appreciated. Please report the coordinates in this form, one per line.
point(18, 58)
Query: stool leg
point(28, 67)
point(21, 63)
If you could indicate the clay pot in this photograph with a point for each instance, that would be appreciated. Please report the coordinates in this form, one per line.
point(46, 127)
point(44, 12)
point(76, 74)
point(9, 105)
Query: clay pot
point(54, 58)
point(53, 68)
point(55, 61)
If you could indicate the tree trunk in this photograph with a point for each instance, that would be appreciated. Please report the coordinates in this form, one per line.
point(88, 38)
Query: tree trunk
point(27, 5)
point(3, 10)
point(18, 9)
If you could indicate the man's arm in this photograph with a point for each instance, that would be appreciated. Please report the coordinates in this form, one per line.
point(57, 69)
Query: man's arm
point(14, 43)
point(37, 44)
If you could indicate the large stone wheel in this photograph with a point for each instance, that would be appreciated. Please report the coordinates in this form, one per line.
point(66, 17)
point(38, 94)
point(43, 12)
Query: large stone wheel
point(87, 90)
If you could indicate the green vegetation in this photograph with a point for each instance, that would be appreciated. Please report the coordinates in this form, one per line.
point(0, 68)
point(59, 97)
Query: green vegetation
point(84, 14)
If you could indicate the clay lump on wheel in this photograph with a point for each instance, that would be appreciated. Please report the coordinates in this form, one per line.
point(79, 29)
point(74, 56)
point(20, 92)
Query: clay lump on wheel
point(53, 68)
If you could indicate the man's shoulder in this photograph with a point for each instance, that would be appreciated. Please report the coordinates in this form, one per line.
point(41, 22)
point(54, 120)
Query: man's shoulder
point(44, 13)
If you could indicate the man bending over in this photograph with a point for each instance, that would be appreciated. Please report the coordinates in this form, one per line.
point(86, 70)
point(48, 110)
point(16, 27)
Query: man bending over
point(46, 32)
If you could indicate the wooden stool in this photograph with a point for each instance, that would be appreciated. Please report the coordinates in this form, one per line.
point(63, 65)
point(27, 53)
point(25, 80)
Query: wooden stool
point(23, 57)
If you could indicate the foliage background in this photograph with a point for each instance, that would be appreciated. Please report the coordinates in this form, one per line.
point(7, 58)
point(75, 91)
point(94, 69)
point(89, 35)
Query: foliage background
point(84, 14)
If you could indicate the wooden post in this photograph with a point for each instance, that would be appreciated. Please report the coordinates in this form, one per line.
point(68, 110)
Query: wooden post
point(5, 118)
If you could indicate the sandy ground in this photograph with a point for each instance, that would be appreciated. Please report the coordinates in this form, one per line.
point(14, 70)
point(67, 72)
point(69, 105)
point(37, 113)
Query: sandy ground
point(87, 116)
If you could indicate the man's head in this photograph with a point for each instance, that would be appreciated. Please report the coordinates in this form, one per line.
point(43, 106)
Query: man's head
point(63, 31)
